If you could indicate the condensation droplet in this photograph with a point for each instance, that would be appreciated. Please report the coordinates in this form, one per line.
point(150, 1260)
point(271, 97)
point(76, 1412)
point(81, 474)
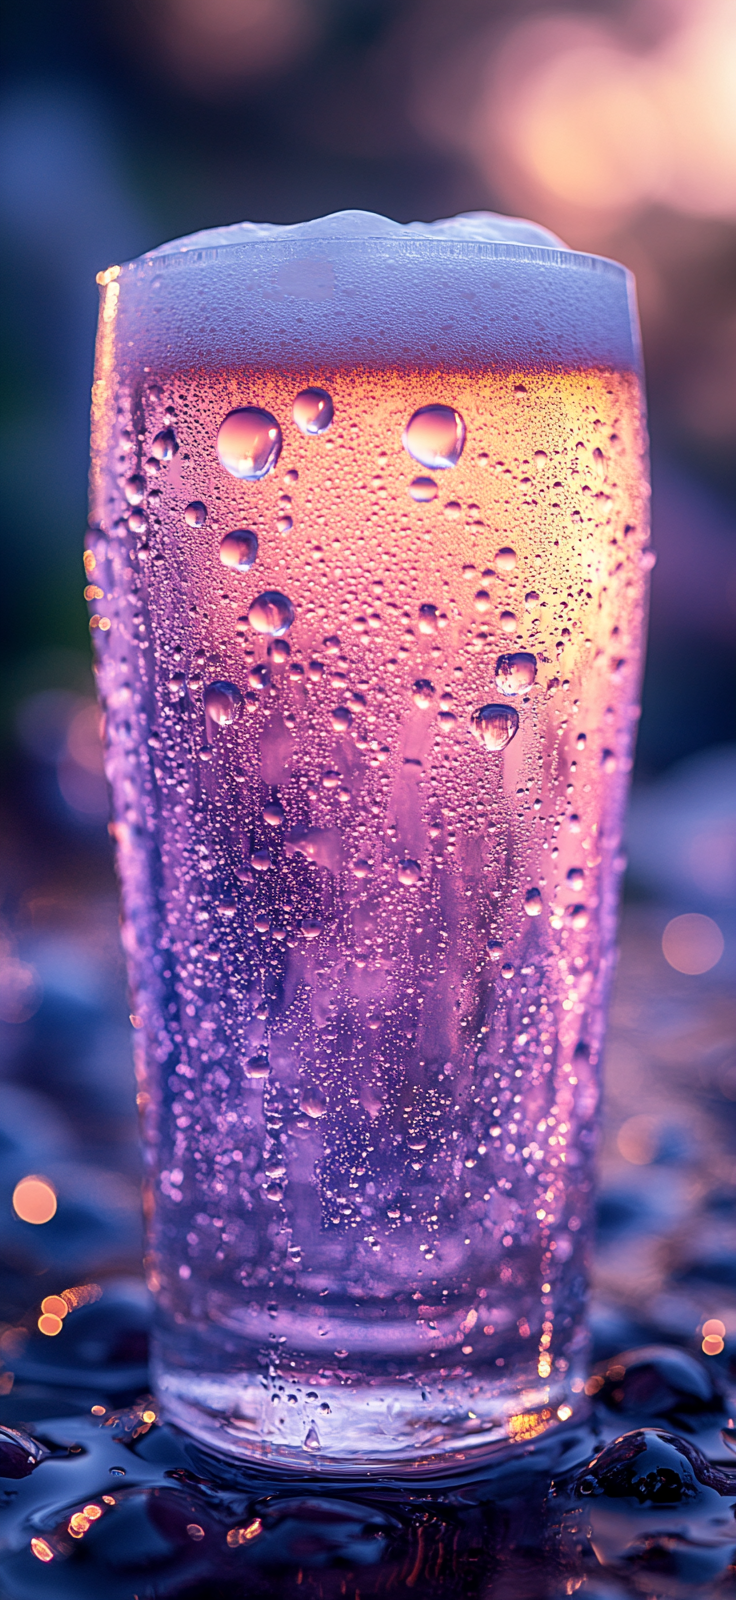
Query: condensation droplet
point(135, 489)
point(313, 1103)
point(578, 917)
point(505, 559)
point(313, 411)
point(257, 1068)
point(249, 442)
point(482, 601)
point(223, 703)
point(495, 726)
point(531, 600)
point(575, 878)
point(271, 612)
point(427, 622)
point(423, 693)
point(165, 445)
point(495, 949)
point(408, 873)
point(195, 514)
point(239, 550)
point(516, 672)
point(435, 437)
point(508, 621)
point(312, 1439)
point(273, 814)
point(341, 719)
point(532, 902)
point(423, 489)
point(540, 460)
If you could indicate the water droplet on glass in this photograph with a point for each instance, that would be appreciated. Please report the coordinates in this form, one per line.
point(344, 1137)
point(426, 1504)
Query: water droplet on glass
point(482, 601)
point(435, 436)
point(578, 917)
point(311, 927)
point(540, 460)
point(284, 524)
point(257, 1068)
point(341, 719)
point(271, 613)
point(507, 970)
point(165, 445)
point(516, 672)
point(195, 514)
point(408, 873)
point(648, 560)
point(575, 878)
point(313, 411)
point(531, 600)
point(532, 902)
point(508, 622)
point(427, 619)
point(452, 510)
point(423, 693)
point(239, 550)
point(312, 1439)
point(495, 949)
point(177, 684)
point(313, 1103)
point(423, 489)
point(273, 814)
point(223, 703)
point(495, 726)
point(249, 442)
point(135, 489)
point(505, 559)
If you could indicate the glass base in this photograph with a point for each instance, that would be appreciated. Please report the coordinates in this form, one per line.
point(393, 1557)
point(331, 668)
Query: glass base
point(345, 1428)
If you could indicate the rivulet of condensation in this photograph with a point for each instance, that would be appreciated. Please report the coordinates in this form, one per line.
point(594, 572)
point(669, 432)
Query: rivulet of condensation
point(369, 539)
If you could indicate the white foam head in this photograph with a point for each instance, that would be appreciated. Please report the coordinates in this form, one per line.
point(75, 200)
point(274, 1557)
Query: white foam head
point(473, 290)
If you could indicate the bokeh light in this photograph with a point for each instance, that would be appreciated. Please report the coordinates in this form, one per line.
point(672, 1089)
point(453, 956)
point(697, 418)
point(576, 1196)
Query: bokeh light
point(692, 943)
point(34, 1200)
point(638, 1140)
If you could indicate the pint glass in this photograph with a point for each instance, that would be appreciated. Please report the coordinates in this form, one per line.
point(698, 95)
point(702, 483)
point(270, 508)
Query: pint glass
point(367, 564)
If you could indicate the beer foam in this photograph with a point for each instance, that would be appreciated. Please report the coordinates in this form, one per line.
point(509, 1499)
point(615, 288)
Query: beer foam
point(480, 226)
point(479, 290)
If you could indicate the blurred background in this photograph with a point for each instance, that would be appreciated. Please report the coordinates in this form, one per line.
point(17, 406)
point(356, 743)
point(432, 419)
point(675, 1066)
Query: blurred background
point(614, 123)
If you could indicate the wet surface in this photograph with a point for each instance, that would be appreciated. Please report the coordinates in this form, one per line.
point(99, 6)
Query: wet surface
point(638, 1502)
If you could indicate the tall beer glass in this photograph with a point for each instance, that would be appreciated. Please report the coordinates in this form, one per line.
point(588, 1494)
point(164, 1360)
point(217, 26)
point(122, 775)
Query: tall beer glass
point(367, 563)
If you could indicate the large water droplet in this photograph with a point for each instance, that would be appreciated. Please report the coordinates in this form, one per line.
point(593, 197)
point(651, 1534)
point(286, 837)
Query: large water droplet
point(505, 559)
point(576, 878)
point(435, 436)
point(508, 621)
point(165, 445)
point(341, 719)
point(313, 410)
point(408, 873)
point(195, 514)
point(135, 489)
point(428, 619)
point(516, 672)
point(313, 1102)
point(495, 726)
point(423, 490)
point(257, 1068)
point(533, 903)
point(223, 703)
point(271, 612)
point(249, 442)
point(312, 1439)
point(423, 693)
point(239, 550)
